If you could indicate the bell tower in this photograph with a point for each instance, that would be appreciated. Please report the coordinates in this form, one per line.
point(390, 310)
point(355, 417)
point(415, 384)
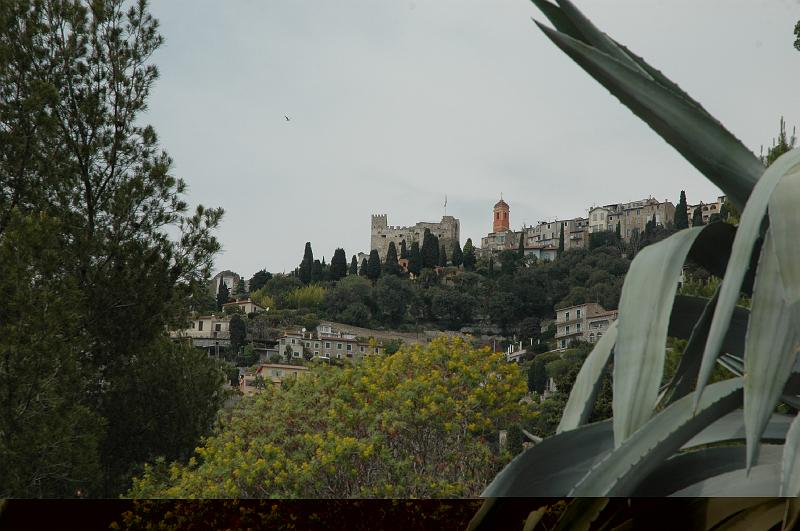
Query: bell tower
point(500, 216)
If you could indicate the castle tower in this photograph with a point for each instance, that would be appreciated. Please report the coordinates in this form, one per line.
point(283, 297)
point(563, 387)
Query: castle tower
point(500, 223)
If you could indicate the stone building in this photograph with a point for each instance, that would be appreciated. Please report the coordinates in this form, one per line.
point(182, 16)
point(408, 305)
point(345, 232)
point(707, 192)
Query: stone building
point(540, 240)
point(632, 217)
point(584, 322)
point(707, 210)
point(207, 331)
point(447, 230)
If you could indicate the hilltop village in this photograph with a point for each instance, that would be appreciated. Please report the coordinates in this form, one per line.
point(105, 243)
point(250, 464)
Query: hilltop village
point(538, 288)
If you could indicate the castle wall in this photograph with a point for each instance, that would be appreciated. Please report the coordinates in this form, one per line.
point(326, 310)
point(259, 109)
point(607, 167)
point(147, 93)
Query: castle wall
point(448, 230)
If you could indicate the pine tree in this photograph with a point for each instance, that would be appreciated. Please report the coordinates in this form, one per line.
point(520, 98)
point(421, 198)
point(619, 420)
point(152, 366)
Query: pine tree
point(561, 240)
point(373, 265)
point(362, 271)
point(681, 213)
point(223, 293)
point(697, 216)
point(306, 265)
point(469, 255)
point(458, 256)
point(353, 266)
point(442, 256)
point(619, 231)
point(521, 248)
point(339, 264)
point(403, 251)
point(415, 259)
point(779, 146)
point(390, 266)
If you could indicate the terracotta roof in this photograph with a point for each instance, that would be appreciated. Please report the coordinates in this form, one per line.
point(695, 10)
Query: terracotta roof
point(501, 203)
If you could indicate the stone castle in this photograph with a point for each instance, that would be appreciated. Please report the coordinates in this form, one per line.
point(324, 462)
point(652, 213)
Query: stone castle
point(447, 230)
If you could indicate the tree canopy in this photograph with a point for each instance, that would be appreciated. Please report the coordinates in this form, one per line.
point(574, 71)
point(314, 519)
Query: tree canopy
point(388, 427)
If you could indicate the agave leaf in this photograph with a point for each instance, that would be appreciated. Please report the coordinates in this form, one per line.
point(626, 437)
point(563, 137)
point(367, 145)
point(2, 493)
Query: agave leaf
point(739, 263)
point(584, 390)
point(687, 310)
point(734, 364)
point(762, 480)
point(731, 428)
point(534, 518)
point(688, 366)
point(784, 222)
point(554, 466)
point(702, 141)
point(770, 346)
point(559, 19)
point(622, 470)
point(596, 38)
point(790, 468)
point(580, 514)
point(707, 513)
point(687, 468)
point(791, 518)
point(645, 304)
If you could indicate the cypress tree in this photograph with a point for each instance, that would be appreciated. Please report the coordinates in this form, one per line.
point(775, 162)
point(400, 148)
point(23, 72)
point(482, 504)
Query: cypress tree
point(390, 266)
point(222, 294)
point(681, 214)
point(373, 265)
point(697, 217)
point(305, 266)
point(619, 231)
point(338, 264)
point(521, 248)
point(415, 259)
point(403, 250)
point(491, 266)
point(442, 256)
point(317, 271)
point(362, 271)
point(561, 240)
point(469, 255)
point(430, 250)
point(458, 256)
point(353, 266)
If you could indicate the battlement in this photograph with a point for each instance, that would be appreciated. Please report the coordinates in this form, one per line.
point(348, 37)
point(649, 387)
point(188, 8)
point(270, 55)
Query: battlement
point(379, 221)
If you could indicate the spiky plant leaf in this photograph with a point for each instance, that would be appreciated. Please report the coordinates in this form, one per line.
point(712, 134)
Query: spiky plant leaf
point(584, 390)
point(746, 236)
point(784, 222)
point(683, 380)
point(622, 470)
point(645, 304)
point(731, 428)
point(554, 466)
point(580, 514)
point(702, 141)
point(790, 467)
point(770, 347)
point(687, 468)
point(534, 518)
point(687, 310)
point(761, 480)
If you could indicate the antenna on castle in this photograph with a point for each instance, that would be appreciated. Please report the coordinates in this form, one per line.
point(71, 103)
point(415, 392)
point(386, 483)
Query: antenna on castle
point(445, 204)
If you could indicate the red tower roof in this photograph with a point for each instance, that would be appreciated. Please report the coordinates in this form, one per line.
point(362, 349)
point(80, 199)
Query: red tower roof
point(501, 204)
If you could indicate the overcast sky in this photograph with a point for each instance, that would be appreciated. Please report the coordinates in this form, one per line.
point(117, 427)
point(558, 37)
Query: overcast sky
point(394, 104)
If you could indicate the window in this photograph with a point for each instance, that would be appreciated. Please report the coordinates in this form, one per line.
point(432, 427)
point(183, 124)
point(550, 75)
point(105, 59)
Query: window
point(566, 329)
point(578, 313)
point(200, 325)
point(362, 348)
point(338, 346)
point(193, 324)
point(566, 316)
point(349, 347)
point(308, 344)
point(293, 341)
point(296, 354)
point(218, 327)
point(316, 352)
point(563, 343)
point(578, 327)
point(327, 344)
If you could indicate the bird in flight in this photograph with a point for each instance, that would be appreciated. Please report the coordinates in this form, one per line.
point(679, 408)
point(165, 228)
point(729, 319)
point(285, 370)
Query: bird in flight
point(287, 118)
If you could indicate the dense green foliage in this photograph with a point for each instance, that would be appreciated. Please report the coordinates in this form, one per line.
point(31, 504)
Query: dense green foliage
point(423, 422)
point(304, 273)
point(682, 213)
point(99, 257)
